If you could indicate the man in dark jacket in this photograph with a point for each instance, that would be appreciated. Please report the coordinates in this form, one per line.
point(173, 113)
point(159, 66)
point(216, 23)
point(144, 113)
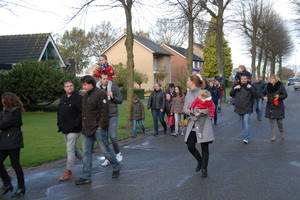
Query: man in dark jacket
point(243, 94)
point(259, 85)
point(115, 99)
point(95, 112)
point(70, 124)
point(156, 103)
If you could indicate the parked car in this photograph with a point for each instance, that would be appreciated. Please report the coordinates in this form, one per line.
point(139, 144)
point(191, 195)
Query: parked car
point(297, 83)
point(291, 81)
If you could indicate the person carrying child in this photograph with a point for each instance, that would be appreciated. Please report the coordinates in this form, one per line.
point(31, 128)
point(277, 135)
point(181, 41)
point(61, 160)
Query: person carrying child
point(204, 101)
point(137, 114)
point(104, 66)
point(168, 106)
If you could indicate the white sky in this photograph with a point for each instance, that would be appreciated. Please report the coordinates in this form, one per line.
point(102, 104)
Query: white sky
point(51, 17)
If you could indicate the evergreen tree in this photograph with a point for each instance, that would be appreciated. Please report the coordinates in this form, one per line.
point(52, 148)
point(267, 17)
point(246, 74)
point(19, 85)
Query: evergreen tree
point(210, 69)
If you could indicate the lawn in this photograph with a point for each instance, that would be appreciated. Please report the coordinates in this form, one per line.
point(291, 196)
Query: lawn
point(42, 142)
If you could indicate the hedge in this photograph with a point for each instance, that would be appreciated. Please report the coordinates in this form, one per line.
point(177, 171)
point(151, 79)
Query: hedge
point(139, 92)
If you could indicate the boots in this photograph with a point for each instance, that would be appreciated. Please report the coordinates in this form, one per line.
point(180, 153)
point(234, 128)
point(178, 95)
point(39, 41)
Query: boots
point(66, 176)
point(273, 137)
point(282, 134)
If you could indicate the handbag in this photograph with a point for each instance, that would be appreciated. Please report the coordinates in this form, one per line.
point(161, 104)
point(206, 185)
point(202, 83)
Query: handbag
point(171, 121)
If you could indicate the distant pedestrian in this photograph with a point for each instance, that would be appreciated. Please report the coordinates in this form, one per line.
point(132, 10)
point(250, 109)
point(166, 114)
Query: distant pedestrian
point(259, 85)
point(191, 138)
point(11, 141)
point(215, 95)
point(95, 115)
point(137, 114)
point(171, 90)
point(113, 102)
point(170, 116)
point(275, 94)
point(244, 94)
point(219, 78)
point(222, 89)
point(156, 104)
point(177, 110)
point(69, 122)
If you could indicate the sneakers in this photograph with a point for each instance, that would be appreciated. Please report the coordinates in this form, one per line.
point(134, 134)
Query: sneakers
point(119, 157)
point(273, 137)
point(66, 176)
point(115, 174)
point(245, 141)
point(182, 133)
point(82, 181)
point(105, 163)
point(173, 134)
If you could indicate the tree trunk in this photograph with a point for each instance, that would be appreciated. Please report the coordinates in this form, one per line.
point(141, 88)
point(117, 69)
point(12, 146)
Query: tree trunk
point(273, 61)
point(253, 53)
point(265, 65)
point(219, 41)
point(280, 68)
point(260, 54)
point(130, 62)
point(189, 56)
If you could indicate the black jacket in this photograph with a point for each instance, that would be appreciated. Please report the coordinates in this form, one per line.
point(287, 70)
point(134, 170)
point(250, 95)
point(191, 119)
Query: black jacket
point(95, 111)
point(69, 115)
point(259, 87)
point(156, 100)
point(215, 94)
point(11, 136)
point(243, 99)
point(275, 111)
point(168, 106)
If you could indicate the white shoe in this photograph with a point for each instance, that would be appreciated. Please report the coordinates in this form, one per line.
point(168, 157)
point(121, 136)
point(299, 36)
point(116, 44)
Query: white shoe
point(119, 157)
point(105, 163)
point(182, 133)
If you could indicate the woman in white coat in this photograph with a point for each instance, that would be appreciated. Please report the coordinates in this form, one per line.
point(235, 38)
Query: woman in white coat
point(191, 138)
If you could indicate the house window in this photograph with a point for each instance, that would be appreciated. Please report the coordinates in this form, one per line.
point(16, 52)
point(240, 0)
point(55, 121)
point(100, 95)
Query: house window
point(155, 63)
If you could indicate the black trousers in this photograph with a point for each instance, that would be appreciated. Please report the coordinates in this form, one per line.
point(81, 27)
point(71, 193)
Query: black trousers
point(191, 144)
point(14, 156)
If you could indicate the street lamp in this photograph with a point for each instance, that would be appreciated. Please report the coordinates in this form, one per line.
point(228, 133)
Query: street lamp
point(224, 70)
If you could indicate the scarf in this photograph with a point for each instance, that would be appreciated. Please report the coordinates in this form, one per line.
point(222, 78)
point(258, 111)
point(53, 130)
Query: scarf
point(105, 65)
point(273, 88)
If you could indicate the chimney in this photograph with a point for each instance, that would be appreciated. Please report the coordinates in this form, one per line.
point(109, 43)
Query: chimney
point(146, 35)
point(125, 30)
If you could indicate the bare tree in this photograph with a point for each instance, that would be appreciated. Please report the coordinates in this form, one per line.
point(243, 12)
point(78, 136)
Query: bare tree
point(170, 31)
point(100, 38)
point(190, 10)
point(201, 27)
point(296, 9)
point(216, 9)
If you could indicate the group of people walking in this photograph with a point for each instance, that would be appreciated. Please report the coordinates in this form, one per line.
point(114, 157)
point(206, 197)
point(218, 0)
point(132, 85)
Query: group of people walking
point(94, 116)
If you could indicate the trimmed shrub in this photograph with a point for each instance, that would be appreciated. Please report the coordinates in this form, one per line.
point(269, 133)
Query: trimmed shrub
point(138, 92)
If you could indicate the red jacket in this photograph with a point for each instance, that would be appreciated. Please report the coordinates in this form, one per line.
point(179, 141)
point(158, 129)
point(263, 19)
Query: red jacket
point(110, 71)
point(207, 103)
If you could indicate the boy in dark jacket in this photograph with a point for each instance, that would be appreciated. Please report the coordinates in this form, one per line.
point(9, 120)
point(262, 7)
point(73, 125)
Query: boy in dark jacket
point(137, 114)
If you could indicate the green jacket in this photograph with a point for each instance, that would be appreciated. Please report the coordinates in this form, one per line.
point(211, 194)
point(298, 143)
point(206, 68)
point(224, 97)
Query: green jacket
point(137, 111)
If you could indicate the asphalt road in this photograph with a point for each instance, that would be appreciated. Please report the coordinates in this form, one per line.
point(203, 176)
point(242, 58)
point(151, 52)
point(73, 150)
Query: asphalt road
point(162, 168)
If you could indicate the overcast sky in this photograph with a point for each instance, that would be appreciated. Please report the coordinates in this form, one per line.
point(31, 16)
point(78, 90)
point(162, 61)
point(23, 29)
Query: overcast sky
point(44, 16)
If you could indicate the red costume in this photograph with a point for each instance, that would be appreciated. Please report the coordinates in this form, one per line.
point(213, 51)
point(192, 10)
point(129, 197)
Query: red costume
point(207, 103)
point(109, 70)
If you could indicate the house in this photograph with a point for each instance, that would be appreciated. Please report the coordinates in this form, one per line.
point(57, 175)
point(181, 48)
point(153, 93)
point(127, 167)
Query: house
point(32, 47)
point(198, 50)
point(179, 64)
point(149, 58)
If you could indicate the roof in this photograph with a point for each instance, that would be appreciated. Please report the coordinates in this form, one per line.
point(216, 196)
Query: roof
point(154, 47)
point(199, 45)
point(17, 48)
point(183, 52)
point(147, 43)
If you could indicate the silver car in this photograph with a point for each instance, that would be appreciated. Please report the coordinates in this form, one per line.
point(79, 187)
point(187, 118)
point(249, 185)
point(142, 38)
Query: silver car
point(297, 84)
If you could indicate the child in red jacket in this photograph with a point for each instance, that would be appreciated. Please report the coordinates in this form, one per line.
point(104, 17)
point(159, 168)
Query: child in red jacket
point(203, 101)
point(104, 66)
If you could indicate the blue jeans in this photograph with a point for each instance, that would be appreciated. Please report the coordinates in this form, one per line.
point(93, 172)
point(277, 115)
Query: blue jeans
point(135, 124)
point(246, 125)
point(101, 137)
point(258, 108)
point(157, 114)
point(112, 132)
